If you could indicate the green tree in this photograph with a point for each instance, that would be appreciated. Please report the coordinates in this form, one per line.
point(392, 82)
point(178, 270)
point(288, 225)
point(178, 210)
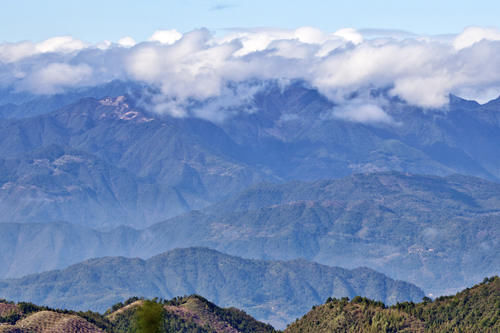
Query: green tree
point(149, 318)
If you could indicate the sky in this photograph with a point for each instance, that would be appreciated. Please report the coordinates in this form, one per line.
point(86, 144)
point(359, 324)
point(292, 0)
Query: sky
point(93, 21)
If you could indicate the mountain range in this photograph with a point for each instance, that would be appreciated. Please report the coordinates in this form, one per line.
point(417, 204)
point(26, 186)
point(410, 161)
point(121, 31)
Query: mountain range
point(441, 233)
point(282, 174)
point(272, 291)
point(148, 166)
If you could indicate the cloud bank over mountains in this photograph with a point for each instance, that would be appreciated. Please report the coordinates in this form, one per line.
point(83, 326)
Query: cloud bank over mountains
point(422, 70)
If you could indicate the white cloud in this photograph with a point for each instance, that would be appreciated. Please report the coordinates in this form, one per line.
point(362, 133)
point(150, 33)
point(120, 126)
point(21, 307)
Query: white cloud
point(310, 35)
point(362, 113)
point(423, 71)
point(190, 68)
point(424, 91)
point(126, 41)
point(350, 35)
point(12, 52)
point(165, 36)
point(104, 45)
point(255, 40)
point(52, 78)
point(472, 35)
point(63, 44)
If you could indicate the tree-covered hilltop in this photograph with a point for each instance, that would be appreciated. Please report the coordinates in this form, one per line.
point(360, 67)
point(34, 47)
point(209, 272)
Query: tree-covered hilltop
point(475, 309)
point(359, 315)
point(183, 314)
point(190, 314)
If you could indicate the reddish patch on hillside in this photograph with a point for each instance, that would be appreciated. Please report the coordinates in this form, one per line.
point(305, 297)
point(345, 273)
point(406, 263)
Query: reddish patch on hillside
point(203, 319)
point(7, 309)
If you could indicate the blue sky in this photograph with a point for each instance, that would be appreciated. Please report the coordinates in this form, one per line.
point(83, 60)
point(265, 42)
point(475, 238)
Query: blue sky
point(92, 20)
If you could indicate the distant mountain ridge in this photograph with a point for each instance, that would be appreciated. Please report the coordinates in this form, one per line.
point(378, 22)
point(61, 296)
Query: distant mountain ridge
point(157, 163)
point(15, 104)
point(172, 165)
point(442, 233)
point(271, 291)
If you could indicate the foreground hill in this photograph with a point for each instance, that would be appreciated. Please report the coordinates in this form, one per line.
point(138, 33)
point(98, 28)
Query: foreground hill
point(438, 232)
point(272, 291)
point(472, 310)
point(29, 318)
point(186, 314)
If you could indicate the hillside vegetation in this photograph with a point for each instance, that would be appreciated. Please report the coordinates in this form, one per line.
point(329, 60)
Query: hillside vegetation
point(182, 314)
point(473, 310)
point(30, 318)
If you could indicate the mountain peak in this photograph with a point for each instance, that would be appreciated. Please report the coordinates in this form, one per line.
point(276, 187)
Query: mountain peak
point(459, 102)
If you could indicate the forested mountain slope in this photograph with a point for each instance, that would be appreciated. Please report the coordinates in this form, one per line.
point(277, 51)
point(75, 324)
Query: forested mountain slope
point(272, 291)
point(442, 233)
point(472, 310)
point(147, 166)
